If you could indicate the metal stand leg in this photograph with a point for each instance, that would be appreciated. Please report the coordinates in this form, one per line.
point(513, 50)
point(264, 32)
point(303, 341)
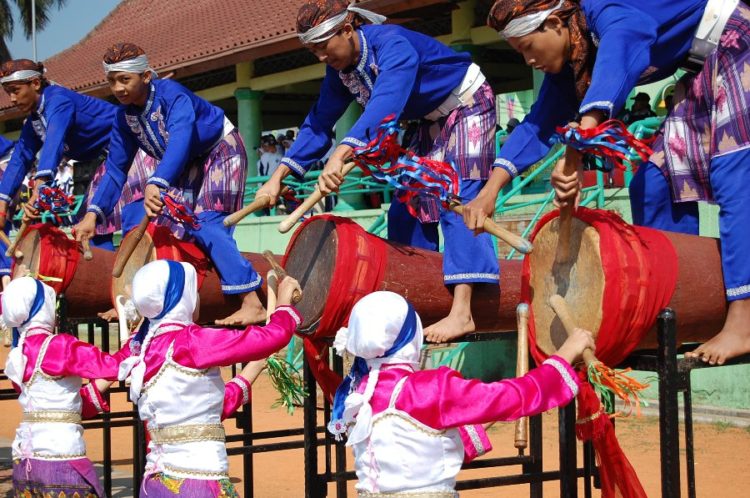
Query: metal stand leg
point(139, 452)
point(313, 487)
point(106, 423)
point(536, 488)
point(245, 422)
point(568, 456)
point(689, 450)
point(669, 429)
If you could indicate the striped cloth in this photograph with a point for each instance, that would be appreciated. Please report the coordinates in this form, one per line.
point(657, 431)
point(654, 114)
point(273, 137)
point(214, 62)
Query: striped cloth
point(214, 182)
point(711, 115)
point(142, 168)
point(464, 138)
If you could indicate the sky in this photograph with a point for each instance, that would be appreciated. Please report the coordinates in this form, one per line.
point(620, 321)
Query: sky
point(66, 27)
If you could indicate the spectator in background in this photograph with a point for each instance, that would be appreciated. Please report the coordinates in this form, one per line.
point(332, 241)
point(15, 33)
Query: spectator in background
point(270, 157)
point(64, 176)
point(641, 109)
point(280, 147)
point(512, 123)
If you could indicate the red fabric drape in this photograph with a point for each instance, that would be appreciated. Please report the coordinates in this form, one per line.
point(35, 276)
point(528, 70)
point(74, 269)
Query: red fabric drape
point(58, 255)
point(358, 271)
point(640, 275)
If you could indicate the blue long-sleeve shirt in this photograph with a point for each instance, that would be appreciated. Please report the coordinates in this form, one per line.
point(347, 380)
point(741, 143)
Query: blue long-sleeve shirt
point(174, 127)
point(399, 72)
point(5, 146)
point(65, 124)
point(638, 42)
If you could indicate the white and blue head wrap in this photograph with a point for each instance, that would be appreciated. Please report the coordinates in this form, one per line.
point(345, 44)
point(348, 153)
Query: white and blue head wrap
point(27, 303)
point(383, 329)
point(163, 292)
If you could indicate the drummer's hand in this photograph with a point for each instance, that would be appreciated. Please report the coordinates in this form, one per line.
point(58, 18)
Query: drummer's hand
point(30, 212)
point(567, 188)
point(483, 205)
point(332, 177)
point(286, 291)
point(86, 228)
point(271, 188)
point(152, 200)
point(573, 347)
point(478, 210)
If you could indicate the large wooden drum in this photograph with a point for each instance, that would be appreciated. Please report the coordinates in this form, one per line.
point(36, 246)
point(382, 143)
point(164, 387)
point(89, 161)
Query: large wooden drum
point(337, 262)
point(617, 280)
point(159, 243)
point(49, 252)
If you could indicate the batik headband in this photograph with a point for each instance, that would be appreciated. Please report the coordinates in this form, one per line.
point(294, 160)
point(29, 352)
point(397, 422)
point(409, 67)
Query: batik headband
point(522, 26)
point(136, 65)
point(327, 29)
point(22, 75)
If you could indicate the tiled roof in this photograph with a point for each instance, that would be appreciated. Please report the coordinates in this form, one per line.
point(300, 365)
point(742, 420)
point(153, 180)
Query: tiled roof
point(175, 34)
point(187, 37)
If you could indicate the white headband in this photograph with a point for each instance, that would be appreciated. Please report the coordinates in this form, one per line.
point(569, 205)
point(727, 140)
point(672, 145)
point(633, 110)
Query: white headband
point(326, 29)
point(136, 65)
point(522, 26)
point(22, 75)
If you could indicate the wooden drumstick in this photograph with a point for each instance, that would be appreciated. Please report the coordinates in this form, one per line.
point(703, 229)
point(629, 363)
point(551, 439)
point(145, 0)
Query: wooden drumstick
point(87, 254)
point(563, 313)
point(516, 241)
point(126, 249)
point(572, 158)
point(258, 203)
point(308, 203)
point(272, 283)
point(12, 252)
point(522, 368)
point(280, 273)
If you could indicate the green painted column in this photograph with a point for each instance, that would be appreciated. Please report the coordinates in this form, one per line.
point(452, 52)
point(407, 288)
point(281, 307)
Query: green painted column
point(250, 123)
point(343, 125)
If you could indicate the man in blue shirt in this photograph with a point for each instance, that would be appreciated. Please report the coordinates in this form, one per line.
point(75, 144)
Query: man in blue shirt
point(390, 70)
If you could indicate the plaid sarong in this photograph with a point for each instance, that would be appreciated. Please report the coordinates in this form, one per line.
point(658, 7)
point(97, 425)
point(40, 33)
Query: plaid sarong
point(464, 138)
point(711, 115)
point(142, 168)
point(213, 182)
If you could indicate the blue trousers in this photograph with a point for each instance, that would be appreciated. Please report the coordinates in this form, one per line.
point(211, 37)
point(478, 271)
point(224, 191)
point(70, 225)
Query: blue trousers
point(467, 258)
point(237, 274)
point(652, 206)
point(5, 261)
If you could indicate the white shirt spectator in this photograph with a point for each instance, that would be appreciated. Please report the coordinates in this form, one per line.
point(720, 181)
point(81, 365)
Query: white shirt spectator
point(269, 161)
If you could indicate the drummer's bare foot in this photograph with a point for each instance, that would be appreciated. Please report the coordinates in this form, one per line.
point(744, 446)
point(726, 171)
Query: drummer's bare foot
point(110, 315)
point(449, 328)
point(733, 340)
point(458, 322)
point(251, 311)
